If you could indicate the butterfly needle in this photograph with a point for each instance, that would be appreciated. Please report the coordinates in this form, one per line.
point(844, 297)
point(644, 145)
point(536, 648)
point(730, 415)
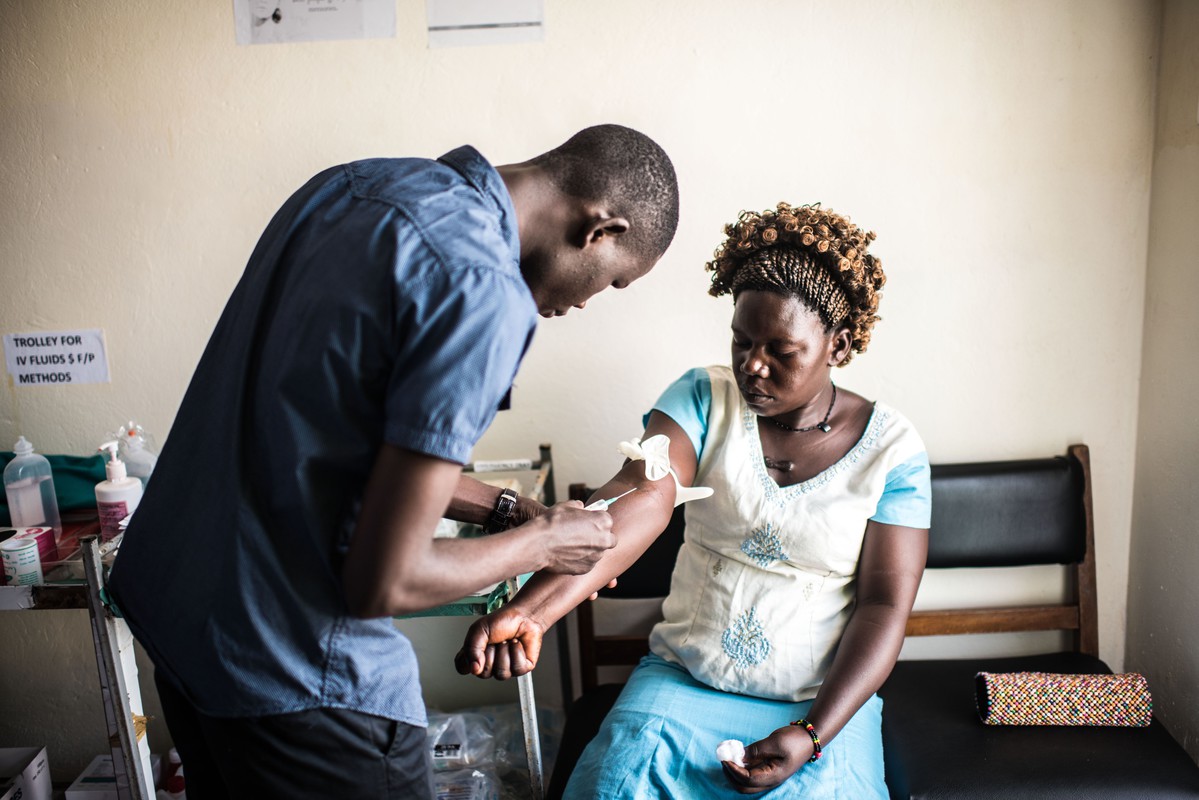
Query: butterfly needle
point(602, 505)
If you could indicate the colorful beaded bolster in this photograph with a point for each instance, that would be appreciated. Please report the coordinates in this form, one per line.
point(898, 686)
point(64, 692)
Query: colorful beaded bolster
point(1043, 698)
point(807, 726)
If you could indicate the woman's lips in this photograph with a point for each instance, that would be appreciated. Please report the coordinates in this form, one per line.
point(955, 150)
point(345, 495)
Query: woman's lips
point(754, 398)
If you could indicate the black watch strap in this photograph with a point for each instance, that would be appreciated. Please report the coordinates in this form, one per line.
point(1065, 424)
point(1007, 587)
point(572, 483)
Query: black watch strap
point(501, 515)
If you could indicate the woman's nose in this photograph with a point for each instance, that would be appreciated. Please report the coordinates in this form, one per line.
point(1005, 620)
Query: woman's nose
point(753, 364)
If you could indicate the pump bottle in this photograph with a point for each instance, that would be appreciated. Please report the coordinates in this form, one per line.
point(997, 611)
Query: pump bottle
point(118, 496)
point(29, 487)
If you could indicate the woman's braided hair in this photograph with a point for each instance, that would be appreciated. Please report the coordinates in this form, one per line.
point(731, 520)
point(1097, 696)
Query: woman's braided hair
point(814, 254)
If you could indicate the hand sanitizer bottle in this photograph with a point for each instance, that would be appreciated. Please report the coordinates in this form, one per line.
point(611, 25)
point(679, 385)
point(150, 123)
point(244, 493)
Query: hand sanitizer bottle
point(29, 487)
point(117, 497)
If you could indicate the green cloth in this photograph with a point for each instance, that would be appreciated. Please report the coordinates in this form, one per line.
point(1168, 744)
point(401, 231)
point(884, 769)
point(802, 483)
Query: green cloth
point(75, 479)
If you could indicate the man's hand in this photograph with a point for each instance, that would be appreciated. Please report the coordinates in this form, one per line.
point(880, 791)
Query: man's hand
point(770, 761)
point(574, 539)
point(527, 509)
point(504, 644)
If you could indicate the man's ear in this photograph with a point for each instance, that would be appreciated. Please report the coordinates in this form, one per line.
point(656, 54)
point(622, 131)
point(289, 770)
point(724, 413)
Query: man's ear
point(599, 226)
point(839, 346)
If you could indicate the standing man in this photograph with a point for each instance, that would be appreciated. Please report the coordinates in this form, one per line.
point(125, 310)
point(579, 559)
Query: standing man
point(377, 327)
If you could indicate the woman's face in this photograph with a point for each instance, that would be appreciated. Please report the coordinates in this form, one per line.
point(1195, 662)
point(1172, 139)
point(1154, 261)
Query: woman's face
point(781, 352)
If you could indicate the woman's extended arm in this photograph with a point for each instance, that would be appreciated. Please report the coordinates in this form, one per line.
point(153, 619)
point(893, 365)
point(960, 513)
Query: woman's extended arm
point(507, 643)
point(889, 574)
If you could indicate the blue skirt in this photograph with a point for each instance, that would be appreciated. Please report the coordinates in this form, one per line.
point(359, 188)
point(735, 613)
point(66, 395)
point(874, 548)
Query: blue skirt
point(660, 740)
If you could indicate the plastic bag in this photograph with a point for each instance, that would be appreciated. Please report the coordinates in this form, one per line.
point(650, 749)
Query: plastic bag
point(507, 727)
point(466, 784)
point(457, 741)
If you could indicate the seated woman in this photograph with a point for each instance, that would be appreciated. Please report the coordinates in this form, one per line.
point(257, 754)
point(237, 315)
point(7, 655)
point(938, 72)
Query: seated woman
point(792, 589)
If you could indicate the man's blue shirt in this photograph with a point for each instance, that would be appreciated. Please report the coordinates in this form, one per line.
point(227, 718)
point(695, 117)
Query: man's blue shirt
point(383, 303)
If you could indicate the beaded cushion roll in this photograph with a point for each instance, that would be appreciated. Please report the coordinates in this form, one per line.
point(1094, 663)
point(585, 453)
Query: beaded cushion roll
point(1044, 698)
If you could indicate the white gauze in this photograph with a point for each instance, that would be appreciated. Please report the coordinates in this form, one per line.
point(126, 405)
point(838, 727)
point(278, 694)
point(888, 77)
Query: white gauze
point(731, 750)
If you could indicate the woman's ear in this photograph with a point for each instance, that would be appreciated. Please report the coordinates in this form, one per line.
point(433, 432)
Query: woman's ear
point(839, 346)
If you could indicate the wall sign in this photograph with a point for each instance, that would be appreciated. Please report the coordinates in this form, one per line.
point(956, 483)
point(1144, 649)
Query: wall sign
point(456, 23)
point(281, 21)
point(56, 358)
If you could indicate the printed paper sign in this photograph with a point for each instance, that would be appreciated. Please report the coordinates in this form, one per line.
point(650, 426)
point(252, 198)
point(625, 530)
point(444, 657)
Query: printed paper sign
point(455, 23)
point(56, 358)
point(278, 21)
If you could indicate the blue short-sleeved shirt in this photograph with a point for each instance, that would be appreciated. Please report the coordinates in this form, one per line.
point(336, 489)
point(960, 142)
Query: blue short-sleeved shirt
point(383, 303)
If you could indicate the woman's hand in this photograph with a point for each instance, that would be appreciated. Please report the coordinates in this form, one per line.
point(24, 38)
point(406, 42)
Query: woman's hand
point(770, 761)
point(504, 644)
point(611, 585)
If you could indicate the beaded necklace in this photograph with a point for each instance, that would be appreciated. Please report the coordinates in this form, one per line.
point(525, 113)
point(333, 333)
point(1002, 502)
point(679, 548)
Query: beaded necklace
point(822, 425)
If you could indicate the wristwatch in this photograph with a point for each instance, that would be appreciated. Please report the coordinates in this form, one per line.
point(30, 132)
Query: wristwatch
point(501, 515)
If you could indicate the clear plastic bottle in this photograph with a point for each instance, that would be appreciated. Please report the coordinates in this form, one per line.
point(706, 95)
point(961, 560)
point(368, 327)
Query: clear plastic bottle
point(29, 486)
point(137, 450)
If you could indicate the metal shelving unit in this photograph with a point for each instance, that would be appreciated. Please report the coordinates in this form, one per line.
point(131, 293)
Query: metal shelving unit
point(119, 687)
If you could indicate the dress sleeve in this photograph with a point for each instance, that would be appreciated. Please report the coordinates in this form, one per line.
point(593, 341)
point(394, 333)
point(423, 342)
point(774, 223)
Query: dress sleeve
point(687, 401)
point(907, 498)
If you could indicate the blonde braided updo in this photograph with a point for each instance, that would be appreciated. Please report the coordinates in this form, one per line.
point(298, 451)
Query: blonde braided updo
point(814, 254)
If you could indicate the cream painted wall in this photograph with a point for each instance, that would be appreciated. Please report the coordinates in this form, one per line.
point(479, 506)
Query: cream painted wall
point(1001, 150)
point(1163, 597)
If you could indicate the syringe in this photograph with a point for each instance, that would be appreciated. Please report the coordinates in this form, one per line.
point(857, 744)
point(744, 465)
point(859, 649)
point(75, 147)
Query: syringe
point(602, 505)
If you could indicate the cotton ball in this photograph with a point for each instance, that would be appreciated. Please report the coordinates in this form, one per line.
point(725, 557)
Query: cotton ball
point(731, 750)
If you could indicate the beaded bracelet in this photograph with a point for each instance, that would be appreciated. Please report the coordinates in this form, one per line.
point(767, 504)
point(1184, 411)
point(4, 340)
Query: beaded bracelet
point(807, 726)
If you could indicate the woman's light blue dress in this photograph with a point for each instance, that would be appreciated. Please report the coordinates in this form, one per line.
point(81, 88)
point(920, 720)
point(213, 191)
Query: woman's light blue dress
point(760, 596)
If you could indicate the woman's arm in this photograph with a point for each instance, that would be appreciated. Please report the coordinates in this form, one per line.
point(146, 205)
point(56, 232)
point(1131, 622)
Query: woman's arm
point(507, 643)
point(889, 574)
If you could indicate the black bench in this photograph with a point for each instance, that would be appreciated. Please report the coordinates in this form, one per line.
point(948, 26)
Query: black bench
point(1016, 513)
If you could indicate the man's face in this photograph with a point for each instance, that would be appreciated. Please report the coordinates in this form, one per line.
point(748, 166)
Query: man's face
point(572, 276)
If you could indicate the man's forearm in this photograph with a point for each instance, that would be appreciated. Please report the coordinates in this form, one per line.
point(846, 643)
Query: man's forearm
point(472, 502)
point(442, 571)
point(455, 568)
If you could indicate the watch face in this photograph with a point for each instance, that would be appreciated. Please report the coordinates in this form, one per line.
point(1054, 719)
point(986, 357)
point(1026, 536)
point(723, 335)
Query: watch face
point(505, 504)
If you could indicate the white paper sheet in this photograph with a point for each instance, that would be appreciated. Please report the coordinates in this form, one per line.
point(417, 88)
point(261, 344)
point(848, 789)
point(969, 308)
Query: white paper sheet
point(282, 21)
point(56, 358)
point(458, 23)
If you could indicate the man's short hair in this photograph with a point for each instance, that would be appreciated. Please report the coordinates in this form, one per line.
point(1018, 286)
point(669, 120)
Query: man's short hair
point(627, 169)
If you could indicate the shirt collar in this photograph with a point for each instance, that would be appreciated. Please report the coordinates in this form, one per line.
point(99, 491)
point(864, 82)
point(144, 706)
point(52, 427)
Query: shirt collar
point(479, 173)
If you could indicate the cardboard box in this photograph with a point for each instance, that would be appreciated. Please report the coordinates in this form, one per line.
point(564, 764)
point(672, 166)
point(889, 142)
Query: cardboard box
point(24, 774)
point(99, 782)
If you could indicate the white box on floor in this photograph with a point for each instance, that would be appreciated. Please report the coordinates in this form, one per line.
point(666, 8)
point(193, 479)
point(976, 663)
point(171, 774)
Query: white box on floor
point(24, 773)
point(99, 781)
